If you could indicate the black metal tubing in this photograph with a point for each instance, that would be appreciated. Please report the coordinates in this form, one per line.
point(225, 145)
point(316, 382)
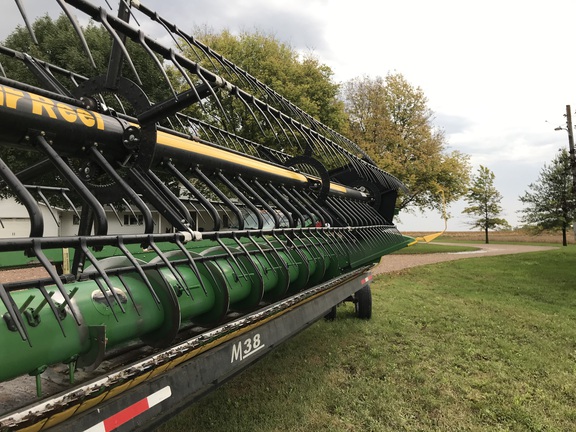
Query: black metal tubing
point(22, 243)
point(14, 314)
point(242, 198)
point(36, 220)
point(170, 107)
point(109, 134)
point(326, 216)
point(84, 229)
point(284, 200)
point(39, 168)
point(155, 196)
point(39, 91)
point(177, 204)
point(256, 268)
point(101, 225)
point(297, 204)
point(204, 179)
point(192, 263)
point(26, 21)
point(44, 76)
point(276, 202)
point(116, 54)
point(37, 248)
point(131, 194)
point(256, 196)
point(199, 196)
point(314, 209)
point(139, 269)
point(175, 272)
point(339, 215)
point(232, 256)
point(357, 219)
point(48, 205)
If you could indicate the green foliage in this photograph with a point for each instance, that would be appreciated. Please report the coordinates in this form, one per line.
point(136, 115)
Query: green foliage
point(472, 345)
point(390, 119)
point(301, 79)
point(550, 202)
point(484, 202)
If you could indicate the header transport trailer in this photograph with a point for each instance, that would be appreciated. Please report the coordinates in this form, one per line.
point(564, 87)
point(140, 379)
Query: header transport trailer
point(273, 219)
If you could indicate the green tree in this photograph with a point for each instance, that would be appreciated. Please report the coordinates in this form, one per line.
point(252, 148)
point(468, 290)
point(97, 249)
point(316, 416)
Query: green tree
point(390, 119)
point(484, 202)
point(301, 79)
point(550, 202)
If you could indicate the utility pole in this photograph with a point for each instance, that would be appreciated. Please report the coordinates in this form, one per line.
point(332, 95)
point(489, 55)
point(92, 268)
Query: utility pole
point(571, 147)
point(572, 154)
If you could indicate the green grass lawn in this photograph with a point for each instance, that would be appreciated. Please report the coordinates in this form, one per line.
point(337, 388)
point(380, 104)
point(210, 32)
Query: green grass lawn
point(482, 344)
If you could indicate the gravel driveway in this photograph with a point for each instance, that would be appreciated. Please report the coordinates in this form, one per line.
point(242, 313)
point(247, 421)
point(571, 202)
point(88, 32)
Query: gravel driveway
point(391, 263)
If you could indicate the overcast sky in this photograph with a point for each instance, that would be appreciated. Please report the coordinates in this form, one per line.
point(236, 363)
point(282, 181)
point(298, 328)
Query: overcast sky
point(497, 74)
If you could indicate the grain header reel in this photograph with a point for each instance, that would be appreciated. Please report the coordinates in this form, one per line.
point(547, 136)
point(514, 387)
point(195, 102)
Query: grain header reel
point(221, 233)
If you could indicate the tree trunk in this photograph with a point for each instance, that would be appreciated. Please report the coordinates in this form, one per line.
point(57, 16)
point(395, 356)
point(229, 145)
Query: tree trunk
point(564, 242)
point(486, 234)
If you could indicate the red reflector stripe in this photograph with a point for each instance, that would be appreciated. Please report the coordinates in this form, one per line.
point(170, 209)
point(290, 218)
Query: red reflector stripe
point(366, 279)
point(125, 415)
point(132, 411)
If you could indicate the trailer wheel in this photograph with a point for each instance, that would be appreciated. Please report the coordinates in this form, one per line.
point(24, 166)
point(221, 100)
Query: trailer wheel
point(331, 315)
point(363, 302)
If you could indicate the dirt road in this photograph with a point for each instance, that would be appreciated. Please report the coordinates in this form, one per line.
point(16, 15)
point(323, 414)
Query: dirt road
point(391, 263)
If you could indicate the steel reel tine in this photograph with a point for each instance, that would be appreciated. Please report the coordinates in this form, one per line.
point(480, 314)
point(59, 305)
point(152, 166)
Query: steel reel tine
point(126, 286)
point(127, 5)
point(188, 80)
point(138, 268)
point(69, 201)
point(156, 61)
point(192, 264)
point(78, 31)
point(175, 272)
point(233, 257)
point(26, 21)
point(104, 292)
point(14, 314)
point(115, 214)
point(106, 24)
point(48, 205)
point(36, 248)
point(247, 254)
point(103, 276)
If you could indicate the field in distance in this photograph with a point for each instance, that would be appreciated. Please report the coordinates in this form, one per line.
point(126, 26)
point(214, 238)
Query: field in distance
point(512, 236)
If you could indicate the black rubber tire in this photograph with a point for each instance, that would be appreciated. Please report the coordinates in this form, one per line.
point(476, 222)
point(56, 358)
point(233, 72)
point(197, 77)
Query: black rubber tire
point(363, 302)
point(331, 315)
